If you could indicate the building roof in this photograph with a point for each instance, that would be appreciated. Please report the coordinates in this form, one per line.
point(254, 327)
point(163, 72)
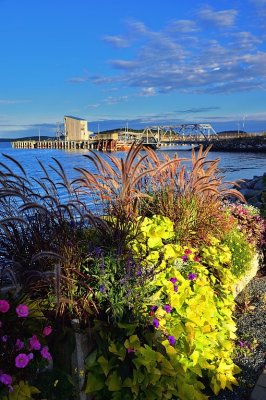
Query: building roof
point(77, 118)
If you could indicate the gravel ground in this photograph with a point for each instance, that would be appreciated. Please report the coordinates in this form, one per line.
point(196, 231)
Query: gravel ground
point(251, 330)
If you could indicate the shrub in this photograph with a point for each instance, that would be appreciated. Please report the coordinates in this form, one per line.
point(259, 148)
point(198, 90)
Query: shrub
point(242, 252)
point(250, 223)
point(24, 351)
point(187, 339)
point(185, 333)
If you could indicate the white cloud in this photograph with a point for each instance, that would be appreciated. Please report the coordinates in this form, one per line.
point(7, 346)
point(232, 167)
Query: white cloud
point(190, 57)
point(115, 100)
point(117, 41)
point(221, 19)
point(183, 26)
point(94, 105)
point(147, 92)
point(123, 64)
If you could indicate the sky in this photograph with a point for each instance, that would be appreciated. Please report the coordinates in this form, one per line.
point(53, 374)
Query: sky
point(138, 63)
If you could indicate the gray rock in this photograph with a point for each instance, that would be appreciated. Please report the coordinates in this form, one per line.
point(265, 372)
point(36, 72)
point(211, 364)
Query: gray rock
point(259, 185)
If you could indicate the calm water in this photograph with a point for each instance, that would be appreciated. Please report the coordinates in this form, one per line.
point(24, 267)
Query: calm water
point(233, 165)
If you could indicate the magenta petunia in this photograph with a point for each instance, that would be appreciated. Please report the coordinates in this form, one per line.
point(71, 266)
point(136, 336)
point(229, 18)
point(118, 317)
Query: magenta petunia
point(47, 330)
point(4, 306)
point(22, 360)
point(154, 308)
point(6, 379)
point(46, 354)
point(34, 343)
point(19, 344)
point(22, 311)
point(184, 258)
point(175, 288)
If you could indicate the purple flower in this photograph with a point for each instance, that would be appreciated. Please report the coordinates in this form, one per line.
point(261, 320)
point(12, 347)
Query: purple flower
point(184, 258)
point(171, 340)
point(4, 338)
point(4, 306)
point(192, 277)
point(22, 360)
point(6, 379)
point(30, 356)
point(34, 343)
point(154, 308)
point(173, 280)
point(19, 344)
point(168, 308)
point(175, 288)
point(22, 310)
point(156, 323)
point(47, 330)
point(102, 289)
point(46, 354)
point(98, 252)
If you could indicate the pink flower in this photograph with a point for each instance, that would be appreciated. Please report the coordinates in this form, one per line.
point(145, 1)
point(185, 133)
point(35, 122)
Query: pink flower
point(6, 379)
point(47, 330)
point(22, 360)
point(187, 251)
point(130, 350)
point(4, 306)
point(46, 354)
point(19, 344)
point(22, 311)
point(34, 343)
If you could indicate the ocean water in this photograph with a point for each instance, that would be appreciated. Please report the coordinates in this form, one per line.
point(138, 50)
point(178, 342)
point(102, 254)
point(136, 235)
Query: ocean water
point(233, 166)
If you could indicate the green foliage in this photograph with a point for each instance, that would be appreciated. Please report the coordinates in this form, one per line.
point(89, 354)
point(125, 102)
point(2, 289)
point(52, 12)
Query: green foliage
point(22, 391)
point(241, 250)
point(217, 257)
point(179, 346)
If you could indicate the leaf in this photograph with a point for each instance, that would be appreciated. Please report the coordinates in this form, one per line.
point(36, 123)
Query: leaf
point(23, 391)
point(94, 383)
point(104, 365)
point(114, 382)
point(91, 360)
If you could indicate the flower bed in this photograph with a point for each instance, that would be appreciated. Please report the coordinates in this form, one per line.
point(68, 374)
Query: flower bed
point(151, 278)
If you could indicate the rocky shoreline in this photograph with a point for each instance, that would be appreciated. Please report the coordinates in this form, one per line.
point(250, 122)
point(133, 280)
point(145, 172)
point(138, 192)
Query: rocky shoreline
point(254, 191)
point(255, 144)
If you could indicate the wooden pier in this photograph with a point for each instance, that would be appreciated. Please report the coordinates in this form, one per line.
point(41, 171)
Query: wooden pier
point(93, 144)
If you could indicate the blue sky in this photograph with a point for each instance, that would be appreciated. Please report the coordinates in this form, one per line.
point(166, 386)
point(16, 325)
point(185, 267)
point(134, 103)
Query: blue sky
point(138, 62)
